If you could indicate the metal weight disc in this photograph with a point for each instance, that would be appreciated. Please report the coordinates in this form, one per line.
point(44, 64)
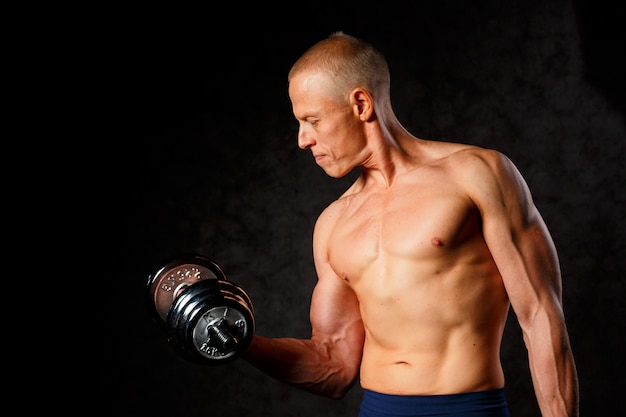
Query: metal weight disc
point(175, 275)
point(211, 322)
point(233, 291)
point(235, 327)
point(185, 312)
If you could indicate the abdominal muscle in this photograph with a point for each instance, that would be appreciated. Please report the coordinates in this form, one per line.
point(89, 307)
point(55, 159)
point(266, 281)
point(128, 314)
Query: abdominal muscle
point(438, 334)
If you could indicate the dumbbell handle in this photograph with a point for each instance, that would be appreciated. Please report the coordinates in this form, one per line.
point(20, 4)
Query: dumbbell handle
point(222, 334)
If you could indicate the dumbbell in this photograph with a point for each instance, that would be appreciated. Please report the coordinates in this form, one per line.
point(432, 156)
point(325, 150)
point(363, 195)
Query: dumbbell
point(208, 319)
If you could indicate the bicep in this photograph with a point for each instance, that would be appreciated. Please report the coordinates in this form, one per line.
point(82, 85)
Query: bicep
point(335, 315)
point(334, 311)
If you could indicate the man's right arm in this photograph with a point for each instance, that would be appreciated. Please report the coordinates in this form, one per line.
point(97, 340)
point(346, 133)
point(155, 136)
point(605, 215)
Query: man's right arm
point(328, 363)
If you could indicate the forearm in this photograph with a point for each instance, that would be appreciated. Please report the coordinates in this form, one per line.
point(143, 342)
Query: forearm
point(302, 363)
point(553, 369)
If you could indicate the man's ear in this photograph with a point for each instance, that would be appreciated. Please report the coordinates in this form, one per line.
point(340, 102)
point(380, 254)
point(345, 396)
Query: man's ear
point(362, 104)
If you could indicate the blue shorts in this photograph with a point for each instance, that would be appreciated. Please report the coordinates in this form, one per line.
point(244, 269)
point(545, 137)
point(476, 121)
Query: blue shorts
point(490, 403)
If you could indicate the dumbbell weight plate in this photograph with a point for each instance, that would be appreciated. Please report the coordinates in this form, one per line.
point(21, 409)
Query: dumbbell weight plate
point(176, 274)
point(211, 322)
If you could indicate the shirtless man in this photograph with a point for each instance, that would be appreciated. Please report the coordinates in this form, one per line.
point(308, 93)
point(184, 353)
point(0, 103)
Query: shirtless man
point(417, 261)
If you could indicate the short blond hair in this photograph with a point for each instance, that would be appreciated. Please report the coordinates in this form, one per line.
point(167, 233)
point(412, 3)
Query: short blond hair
point(347, 62)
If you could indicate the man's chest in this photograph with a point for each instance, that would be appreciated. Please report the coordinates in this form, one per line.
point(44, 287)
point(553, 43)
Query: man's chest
point(405, 224)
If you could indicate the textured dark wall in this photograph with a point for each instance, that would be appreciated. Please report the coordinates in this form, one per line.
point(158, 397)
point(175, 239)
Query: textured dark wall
point(207, 162)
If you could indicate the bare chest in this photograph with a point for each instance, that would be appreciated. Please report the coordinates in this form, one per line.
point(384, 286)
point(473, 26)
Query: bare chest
point(407, 224)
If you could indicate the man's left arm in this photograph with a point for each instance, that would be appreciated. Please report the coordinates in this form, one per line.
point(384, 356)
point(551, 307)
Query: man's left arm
point(525, 254)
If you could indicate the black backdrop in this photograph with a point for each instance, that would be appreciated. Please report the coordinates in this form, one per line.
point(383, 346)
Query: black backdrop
point(206, 161)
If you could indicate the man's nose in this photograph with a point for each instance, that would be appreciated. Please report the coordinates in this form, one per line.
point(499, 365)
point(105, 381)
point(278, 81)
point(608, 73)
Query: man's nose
point(305, 141)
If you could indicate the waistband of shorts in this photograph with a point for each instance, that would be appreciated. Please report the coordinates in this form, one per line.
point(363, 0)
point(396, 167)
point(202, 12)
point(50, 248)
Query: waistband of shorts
point(450, 403)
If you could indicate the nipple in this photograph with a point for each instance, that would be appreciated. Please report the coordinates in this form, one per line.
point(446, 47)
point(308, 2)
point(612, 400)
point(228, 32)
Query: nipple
point(344, 277)
point(436, 241)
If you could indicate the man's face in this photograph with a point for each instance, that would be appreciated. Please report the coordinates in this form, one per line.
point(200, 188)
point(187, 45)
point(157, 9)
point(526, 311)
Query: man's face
point(330, 129)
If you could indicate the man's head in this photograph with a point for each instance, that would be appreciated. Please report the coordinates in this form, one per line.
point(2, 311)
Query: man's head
point(337, 88)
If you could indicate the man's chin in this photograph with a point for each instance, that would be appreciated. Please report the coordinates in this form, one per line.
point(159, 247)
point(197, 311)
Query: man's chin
point(336, 173)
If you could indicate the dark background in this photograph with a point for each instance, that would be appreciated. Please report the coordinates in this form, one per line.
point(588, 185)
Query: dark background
point(206, 161)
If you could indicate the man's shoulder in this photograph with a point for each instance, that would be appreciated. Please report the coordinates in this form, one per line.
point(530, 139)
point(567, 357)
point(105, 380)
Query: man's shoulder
point(470, 167)
point(460, 156)
point(443, 149)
